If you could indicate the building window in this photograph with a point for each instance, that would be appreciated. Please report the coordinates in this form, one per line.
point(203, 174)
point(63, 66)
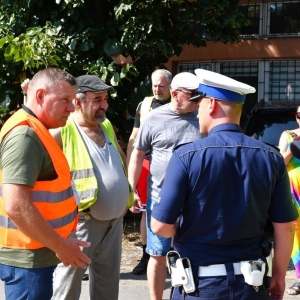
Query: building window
point(284, 18)
point(274, 80)
point(271, 18)
point(238, 69)
point(253, 13)
point(191, 67)
point(284, 80)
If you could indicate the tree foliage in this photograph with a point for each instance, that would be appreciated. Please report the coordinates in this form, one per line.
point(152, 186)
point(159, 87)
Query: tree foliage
point(83, 37)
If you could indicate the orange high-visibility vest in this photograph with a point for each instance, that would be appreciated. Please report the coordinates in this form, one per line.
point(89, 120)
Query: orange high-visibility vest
point(54, 198)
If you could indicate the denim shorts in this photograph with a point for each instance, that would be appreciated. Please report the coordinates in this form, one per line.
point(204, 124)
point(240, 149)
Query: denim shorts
point(156, 245)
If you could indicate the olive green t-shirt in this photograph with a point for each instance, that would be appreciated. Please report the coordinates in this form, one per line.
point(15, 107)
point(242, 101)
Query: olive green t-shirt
point(24, 160)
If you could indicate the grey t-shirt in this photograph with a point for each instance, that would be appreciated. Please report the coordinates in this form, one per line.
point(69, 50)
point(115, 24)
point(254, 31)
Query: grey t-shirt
point(162, 130)
point(113, 188)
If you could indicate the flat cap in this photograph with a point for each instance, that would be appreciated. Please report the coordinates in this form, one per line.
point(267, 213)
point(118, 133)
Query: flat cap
point(222, 87)
point(90, 83)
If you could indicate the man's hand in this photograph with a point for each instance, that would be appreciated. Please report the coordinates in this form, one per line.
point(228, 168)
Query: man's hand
point(294, 135)
point(70, 253)
point(136, 204)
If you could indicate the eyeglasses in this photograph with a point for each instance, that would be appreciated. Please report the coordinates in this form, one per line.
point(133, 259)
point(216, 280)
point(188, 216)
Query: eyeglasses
point(298, 115)
point(195, 95)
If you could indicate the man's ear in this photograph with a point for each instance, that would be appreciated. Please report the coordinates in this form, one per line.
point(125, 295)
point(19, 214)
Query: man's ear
point(174, 94)
point(212, 105)
point(77, 103)
point(40, 94)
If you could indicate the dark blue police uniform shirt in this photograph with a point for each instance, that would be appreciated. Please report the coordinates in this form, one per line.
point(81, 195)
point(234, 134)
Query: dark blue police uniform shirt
point(223, 188)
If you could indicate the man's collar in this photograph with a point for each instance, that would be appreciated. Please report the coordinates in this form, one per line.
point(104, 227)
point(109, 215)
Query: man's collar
point(29, 111)
point(225, 127)
point(163, 101)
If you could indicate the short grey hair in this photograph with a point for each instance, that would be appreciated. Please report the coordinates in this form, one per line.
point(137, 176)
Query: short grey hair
point(162, 72)
point(81, 96)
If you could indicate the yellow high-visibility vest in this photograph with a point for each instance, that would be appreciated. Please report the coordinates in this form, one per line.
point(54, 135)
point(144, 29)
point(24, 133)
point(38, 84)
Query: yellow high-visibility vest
point(145, 107)
point(81, 165)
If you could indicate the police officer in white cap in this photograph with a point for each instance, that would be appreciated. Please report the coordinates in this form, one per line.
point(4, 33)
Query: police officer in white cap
point(163, 129)
point(217, 195)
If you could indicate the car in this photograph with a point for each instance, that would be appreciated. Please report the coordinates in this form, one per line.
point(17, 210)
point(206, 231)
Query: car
point(267, 120)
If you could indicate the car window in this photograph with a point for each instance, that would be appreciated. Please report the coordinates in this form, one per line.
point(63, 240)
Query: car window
point(267, 126)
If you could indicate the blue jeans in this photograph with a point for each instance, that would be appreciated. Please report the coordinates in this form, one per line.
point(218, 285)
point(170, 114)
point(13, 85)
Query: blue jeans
point(156, 245)
point(27, 284)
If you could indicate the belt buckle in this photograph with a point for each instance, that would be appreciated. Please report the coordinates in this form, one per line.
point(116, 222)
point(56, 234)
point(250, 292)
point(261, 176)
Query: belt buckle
point(87, 216)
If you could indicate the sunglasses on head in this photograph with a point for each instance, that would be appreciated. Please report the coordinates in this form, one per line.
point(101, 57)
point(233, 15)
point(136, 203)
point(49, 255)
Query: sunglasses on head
point(298, 115)
point(195, 95)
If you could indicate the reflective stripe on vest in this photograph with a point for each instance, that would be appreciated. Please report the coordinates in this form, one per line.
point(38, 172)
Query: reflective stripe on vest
point(54, 198)
point(46, 196)
point(79, 174)
point(56, 223)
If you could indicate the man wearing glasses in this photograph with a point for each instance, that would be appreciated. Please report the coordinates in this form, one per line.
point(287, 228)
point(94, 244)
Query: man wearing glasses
point(162, 130)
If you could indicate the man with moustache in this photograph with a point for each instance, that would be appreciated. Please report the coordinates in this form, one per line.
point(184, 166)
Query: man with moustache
point(97, 167)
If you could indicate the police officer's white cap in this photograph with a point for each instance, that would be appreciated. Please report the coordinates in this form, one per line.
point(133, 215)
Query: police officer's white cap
point(222, 87)
point(185, 80)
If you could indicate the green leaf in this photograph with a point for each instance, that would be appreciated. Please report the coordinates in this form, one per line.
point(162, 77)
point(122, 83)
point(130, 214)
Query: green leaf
point(110, 67)
point(94, 68)
point(17, 56)
point(84, 47)
point(112, 47)
point(52, 61)
point(7, 52)
point(73, 44)
point(115, 79)
point(5, 40)
point(123, 73)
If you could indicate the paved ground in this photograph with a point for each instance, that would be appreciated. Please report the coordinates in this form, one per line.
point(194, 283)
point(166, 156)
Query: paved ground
point(290, 279)
point(135, 287)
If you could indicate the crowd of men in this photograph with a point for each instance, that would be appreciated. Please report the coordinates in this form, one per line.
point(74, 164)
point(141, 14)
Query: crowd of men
point(207, 189)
